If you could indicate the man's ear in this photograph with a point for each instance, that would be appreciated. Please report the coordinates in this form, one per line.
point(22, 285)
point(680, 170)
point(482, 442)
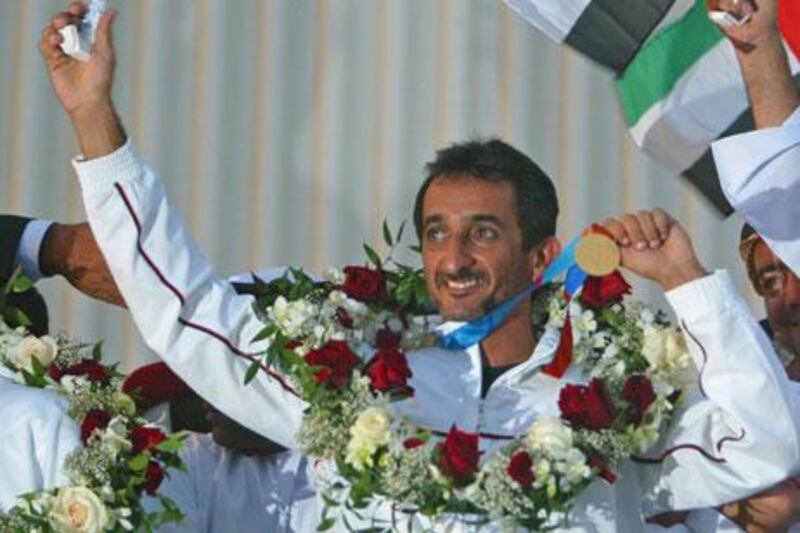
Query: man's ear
point(543, 254)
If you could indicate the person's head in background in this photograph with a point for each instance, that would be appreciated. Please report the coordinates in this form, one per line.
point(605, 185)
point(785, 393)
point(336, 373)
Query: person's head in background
point(777, 285)
point(169, 401)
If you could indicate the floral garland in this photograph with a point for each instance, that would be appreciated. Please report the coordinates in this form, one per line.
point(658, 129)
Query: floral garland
point(123, 456)
point(342, 343)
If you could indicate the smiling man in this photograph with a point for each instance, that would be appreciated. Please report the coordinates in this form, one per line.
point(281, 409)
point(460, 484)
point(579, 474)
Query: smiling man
point(486, 218)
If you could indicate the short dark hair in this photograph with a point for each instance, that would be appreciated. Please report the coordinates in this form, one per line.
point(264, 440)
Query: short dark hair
point(496, 161)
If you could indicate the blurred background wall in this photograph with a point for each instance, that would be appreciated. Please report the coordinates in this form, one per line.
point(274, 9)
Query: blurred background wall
point(287, 130)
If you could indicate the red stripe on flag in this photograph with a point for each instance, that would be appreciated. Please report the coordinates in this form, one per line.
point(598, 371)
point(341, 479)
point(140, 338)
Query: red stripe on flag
point(789, 22)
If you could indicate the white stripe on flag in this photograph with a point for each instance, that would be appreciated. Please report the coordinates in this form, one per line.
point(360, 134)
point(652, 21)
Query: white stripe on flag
point(704, 103)
point(554, 17)
point(675, 13)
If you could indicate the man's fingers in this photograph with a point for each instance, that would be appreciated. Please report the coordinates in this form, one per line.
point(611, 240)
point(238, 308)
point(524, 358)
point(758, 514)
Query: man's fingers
point(634, 230)
point(78, 9)
point(65, 19)
point(662, 221)
point(104, 38)
point(617, 230)
point(650, 234)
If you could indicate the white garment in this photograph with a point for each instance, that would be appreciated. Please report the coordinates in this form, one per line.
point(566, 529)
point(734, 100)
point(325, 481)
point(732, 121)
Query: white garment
point(191, 319)
point(223, 491)
point(36, 434)
point(760, 174)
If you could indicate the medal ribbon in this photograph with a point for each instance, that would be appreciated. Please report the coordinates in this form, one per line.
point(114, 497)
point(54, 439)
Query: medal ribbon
point(474, 331)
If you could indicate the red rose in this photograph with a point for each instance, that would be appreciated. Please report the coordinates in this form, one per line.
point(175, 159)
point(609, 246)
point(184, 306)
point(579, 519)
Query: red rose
point(144, 438)
point(344, 318)
point(638, 392)
point(587, 406)
point(154, 475)
point(600, 410)
point(88, 367)
point(337, 362)
point(458, 456)
point(520, 469)
point(606, 290)
point(94, 419)
point(386, 338)
point(364, 283)
point(413, 442)
point(389, 372)
point(571, 401)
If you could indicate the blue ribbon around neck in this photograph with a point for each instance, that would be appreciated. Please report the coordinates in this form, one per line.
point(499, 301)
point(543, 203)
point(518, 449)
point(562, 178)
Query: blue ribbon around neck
point(479, 328)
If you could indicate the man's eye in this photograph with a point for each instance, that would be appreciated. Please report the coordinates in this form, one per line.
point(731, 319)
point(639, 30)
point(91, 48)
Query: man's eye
point(485, 233)
point(435, 235)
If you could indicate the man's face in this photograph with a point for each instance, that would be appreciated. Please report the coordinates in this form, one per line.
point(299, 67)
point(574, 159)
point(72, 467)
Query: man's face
point(472, 246)
point(779, 287)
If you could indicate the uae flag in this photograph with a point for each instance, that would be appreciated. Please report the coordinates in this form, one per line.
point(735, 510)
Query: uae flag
point(679, 84)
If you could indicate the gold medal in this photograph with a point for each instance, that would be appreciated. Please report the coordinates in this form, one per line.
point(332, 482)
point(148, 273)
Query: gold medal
point(597, 254)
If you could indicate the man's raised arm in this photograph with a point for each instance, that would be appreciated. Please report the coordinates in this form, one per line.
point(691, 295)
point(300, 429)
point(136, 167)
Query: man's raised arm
point(194, 321)
point(759, 171)
point(765, 67)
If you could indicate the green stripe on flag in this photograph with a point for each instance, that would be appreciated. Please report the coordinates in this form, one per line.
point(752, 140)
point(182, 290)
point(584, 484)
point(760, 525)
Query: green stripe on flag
point(664, 59)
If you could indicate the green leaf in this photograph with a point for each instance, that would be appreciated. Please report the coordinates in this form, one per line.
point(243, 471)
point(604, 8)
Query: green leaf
point(399, 236)
point(22, 284)
point(15, 317)
point(326, 524)
point(387, 234)
point(171, 445)
point(266, 333)
point(373, 256)
point(139, 462)
point(97, 351)
point(416, 248)
point(252, 371)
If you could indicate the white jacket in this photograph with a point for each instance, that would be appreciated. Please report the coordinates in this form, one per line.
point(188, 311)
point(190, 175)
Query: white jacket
point(735, 438)
point(37, 435)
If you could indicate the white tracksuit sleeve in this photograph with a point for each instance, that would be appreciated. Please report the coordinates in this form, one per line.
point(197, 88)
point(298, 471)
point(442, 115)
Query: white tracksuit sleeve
point(760, 174)
point(190, 318)
point(740, 433)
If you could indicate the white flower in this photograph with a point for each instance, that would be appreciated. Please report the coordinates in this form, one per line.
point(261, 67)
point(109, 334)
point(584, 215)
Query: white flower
point(44, 349)
point(372, 426)
point(665, 350)
point(369, 432)
point(334, 275)
point(78, 510)
point(551, 436)
point(114, 437)
point(292, 316)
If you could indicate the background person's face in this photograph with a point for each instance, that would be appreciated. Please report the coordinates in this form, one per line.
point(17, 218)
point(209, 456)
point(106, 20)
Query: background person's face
point(472, 246)
point(780, 288)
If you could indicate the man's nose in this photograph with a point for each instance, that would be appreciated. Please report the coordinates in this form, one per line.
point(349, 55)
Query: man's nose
point(458, 255)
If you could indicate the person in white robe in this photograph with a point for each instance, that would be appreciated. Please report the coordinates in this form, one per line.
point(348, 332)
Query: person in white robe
point(721, 448)
point(37, 435)
point(760, 171)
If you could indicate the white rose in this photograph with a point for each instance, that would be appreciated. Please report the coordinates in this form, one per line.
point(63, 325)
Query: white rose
point(78, 510)
point(665, 349)
point(549, 435)
point(370, 431)
point(372, 427)
point(43, 349)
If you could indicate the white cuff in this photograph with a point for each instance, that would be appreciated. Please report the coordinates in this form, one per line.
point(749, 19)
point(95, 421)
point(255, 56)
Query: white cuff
point(97, 175)
point(30, 245)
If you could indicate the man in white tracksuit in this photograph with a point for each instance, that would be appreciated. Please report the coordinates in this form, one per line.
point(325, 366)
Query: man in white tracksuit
point(486, 219)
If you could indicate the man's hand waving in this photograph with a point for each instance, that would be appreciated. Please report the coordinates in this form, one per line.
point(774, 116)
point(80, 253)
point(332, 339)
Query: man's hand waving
point(656, 247)
point(84, 87)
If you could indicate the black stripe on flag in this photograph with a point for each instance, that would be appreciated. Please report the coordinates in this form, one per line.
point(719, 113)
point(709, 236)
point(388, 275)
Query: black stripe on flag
point(703, 174)
point(612, 31)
